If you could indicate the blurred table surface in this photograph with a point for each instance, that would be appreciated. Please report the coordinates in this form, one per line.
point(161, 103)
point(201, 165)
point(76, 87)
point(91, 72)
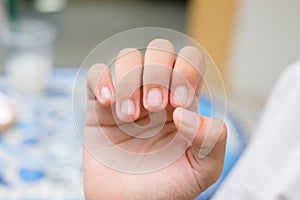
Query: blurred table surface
point(40, 156)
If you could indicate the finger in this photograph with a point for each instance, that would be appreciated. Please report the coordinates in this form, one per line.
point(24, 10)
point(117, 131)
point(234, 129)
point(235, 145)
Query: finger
point(187, 77)
point(159, 60)
point(128, 75)
point(100, 84)
point(210, 146)
point(207, 150)
point(207, 131)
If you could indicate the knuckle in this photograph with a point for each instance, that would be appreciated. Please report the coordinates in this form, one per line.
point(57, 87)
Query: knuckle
point(164, 43)
point(189, 48)
point(128, 58)
point(192, 50)
point(95, 71)
point(194, 56)
point(129, 50)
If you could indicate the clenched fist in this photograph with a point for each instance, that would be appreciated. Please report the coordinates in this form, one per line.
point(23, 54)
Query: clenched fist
point(154, 99)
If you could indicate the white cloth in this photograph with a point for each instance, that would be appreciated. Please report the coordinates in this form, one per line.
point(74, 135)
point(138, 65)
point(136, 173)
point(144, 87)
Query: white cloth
point(270, 167)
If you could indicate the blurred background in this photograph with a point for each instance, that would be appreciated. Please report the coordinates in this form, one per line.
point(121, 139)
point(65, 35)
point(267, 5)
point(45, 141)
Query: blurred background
point(251, 41)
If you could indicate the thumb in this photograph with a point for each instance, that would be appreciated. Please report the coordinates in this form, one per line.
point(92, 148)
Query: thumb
point(207, 151)
point(208, 135)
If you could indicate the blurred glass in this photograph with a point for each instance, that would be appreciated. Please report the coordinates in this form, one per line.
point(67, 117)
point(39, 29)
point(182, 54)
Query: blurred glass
point(50, 6)
point(28, 54)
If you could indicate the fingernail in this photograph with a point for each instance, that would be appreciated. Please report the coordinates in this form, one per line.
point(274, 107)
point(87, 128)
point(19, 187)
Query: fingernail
point(180, 95)
point(105, 93)
point(127, 107)
point(154, 97)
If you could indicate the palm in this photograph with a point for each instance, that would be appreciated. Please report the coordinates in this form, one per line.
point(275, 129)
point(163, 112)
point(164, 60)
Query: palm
point(173, 176)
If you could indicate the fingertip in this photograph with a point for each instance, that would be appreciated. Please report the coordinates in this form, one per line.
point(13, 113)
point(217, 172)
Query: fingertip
point(161, 43)
point(194, 56)
point(129, 50)
point(94, 72)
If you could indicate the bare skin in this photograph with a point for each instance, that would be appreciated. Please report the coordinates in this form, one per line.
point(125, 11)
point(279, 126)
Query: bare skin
point(159, 81)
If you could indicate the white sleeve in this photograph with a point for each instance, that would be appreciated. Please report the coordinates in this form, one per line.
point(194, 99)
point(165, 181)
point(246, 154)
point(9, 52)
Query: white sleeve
point(270, 167)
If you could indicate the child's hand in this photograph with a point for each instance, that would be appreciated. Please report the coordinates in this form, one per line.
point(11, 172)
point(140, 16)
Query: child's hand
point(169, 87)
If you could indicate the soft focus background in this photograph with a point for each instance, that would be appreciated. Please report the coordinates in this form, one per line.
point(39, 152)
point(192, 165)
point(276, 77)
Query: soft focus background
point(251, 41)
